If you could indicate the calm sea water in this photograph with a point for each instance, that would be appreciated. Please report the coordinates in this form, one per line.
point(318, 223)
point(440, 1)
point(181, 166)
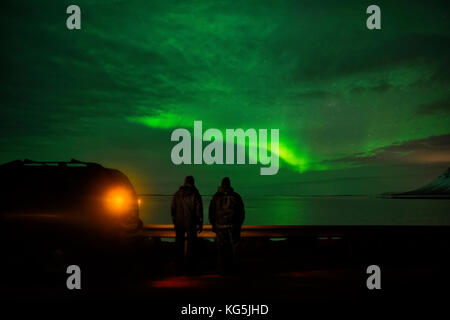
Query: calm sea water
point(342, 210)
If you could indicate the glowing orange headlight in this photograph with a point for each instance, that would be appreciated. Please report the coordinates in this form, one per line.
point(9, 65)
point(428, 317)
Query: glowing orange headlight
point(119, 200)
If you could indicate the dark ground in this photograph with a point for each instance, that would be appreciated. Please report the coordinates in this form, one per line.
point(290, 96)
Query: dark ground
point(414, 267)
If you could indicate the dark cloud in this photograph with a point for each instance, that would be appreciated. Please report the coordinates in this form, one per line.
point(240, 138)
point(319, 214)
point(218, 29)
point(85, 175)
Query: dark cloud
point(439, 107)
point(405, 50)
point(380, 87)
point(434, 149)
point(316, 94)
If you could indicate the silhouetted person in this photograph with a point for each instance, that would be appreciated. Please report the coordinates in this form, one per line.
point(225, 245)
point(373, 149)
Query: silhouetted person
point(187, 217)
point(226, 215)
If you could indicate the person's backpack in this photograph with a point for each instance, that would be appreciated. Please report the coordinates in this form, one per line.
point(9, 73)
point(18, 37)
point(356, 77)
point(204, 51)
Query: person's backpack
point(226, 209)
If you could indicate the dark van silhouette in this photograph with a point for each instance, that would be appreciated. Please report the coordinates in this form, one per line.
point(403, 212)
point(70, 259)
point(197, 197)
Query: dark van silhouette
point(64, 206)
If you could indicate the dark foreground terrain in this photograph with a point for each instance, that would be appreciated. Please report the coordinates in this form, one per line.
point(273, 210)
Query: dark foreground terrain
point(310, 264)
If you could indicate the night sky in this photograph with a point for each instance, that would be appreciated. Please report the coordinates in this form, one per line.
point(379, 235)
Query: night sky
point(359, 111)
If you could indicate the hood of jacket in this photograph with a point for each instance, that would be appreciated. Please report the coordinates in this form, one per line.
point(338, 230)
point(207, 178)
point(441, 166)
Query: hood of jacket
point(223, 189)
point(187, 190)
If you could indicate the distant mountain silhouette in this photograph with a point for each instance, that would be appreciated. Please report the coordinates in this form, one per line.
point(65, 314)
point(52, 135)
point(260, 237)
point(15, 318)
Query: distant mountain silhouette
point(439, 187)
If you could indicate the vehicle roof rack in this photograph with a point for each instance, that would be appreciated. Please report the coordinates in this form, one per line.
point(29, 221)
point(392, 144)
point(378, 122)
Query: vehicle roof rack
point(44, 163)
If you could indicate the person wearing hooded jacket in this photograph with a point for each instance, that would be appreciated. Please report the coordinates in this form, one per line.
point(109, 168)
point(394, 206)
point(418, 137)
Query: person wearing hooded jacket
point(187, 217)
point(226, 215)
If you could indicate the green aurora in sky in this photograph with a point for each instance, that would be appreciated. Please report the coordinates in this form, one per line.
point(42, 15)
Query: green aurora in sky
point(359, 111)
